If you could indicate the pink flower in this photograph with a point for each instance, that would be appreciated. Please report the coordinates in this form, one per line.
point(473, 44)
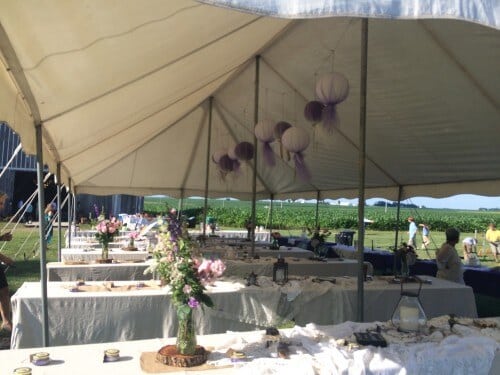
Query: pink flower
point(218, 267)
point(111, 229)
point(187, 289)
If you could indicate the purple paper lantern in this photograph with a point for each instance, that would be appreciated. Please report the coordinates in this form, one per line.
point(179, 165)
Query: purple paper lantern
point(244, 151)
point(280, 128)
point(313, 111)
point(226, 163)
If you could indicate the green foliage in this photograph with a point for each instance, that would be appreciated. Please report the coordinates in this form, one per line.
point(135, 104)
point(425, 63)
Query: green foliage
point(296, 215)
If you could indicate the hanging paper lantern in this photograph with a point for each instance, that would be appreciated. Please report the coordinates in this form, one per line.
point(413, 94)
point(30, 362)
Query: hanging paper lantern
point(279, 129)
point(313, 111)
point(264, 131)
point(217, 155)
point(231, 153)
point(331, 89)
point(296, 140)
point(226, 163)
point(244, 151)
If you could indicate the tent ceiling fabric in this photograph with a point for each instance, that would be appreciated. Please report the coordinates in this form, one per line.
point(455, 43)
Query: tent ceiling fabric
point(122, 92)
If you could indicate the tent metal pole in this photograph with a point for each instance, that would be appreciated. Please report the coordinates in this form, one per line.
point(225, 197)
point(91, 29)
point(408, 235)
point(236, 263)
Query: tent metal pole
point(59, 221)
point(318, 195)
point(69, 213)
point(362, 166)
point(396, 239)
point(41, 227)
point(181, 204)
point(73, 221)
point(207, 161)
point(271, 206)
point(254, 177)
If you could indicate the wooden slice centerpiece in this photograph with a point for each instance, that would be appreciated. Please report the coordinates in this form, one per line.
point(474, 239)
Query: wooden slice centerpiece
point(168, 355)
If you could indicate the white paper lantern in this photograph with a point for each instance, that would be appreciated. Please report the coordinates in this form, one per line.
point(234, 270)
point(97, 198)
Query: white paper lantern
point(264, 131)
point(295, 139)
point(217, 155)
point(332, 88)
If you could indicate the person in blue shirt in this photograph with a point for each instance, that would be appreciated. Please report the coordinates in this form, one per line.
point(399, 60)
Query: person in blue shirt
point(412, 233)
point(426, 232)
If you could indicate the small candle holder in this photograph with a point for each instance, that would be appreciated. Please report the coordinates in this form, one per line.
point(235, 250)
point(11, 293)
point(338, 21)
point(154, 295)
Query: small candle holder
point(111, 355)
point(40, 359)
point(22, 371)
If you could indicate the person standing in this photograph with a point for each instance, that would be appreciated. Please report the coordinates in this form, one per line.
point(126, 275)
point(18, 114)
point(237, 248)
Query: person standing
point(448, 262)
point(412, 233)
point(426, 232)
point(470, 250)
point(4, 286)
point(493, 237)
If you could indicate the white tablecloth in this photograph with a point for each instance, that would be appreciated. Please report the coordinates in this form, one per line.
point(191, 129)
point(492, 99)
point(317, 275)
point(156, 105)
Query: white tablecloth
point(89, 317)
point(263, 236)
point(229, 252)
point(314, 350)
point(296, 266)
point(78, 255)
point(58, 271)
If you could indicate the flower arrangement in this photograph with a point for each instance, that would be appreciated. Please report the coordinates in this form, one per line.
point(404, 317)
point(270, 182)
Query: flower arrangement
point(186, 276)
point(318, 238)
point(132, 236)
point(106, 232)
point(275, 244)
point(407, 255)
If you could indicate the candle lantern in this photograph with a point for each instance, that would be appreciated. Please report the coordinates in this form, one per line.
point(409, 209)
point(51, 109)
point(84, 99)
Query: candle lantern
point(409, 315)
point(280, 271)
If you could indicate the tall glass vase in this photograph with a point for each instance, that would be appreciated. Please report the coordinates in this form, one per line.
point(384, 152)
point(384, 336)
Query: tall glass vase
point(186, 337)
point(105, 251)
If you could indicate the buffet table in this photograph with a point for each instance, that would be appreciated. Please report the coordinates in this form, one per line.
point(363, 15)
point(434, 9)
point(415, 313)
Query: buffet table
point(91, 255)
point(115, 314)
point(313, 350)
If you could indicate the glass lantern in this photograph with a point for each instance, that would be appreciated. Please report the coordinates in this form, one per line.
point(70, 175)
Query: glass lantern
point(409, 315)
point(280, 271)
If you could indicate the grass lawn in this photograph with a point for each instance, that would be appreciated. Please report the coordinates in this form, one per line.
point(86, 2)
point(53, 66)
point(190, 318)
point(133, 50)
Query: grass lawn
point(24, 250)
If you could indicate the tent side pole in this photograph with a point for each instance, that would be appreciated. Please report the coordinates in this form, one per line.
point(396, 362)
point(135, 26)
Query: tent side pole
point(59, 221)
point(69, 213)
point(41, 230)
point(396, 239)
point(362, 166)
point(207, 161)
point(318, 195)
point(271, 216)
point(254, 176)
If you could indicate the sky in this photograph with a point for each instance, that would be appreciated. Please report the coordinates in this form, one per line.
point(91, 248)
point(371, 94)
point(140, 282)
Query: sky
point(462, 201)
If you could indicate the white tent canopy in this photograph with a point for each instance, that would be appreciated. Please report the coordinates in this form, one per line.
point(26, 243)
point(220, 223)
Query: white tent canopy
point(120, 90)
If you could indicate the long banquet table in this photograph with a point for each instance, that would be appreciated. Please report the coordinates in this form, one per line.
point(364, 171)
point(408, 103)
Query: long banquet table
point(58, 271)
point(313, 350)
point(140, 313)
point(91, 255)
point(239, 251)
point(260, 236)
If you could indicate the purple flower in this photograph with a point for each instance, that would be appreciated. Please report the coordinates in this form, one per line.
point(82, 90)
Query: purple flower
point(193, 303)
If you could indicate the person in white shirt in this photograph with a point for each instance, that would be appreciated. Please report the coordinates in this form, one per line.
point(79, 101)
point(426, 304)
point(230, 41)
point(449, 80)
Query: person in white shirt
point(470, 250)
point(448, 262)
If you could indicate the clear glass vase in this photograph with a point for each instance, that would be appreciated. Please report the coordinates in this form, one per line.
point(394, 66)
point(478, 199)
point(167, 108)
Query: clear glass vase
point(186, 337)
point(105, 251)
